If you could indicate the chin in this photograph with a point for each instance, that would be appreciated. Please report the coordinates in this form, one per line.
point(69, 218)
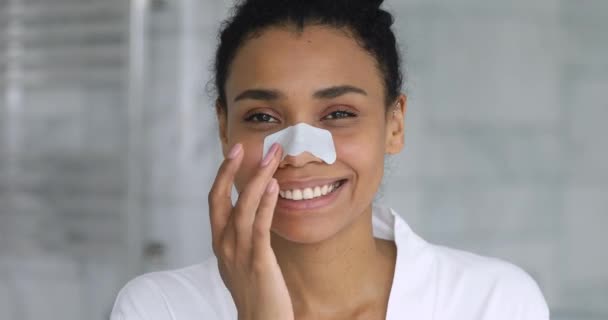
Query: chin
point(304, 235)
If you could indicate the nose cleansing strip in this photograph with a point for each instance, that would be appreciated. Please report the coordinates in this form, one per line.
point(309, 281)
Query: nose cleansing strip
point(304, 138)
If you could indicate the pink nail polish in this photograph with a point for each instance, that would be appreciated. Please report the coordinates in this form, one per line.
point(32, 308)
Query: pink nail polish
point(234, 152)
point(270, 155)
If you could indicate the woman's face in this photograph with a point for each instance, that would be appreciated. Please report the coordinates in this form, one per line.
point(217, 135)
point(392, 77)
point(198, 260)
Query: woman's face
point(282, 78)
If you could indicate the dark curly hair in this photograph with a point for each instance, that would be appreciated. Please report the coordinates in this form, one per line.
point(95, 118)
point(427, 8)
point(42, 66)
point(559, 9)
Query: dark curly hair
point(363, 19)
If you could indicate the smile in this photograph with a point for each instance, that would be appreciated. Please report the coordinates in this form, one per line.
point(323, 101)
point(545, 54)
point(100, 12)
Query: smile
point(310, 192)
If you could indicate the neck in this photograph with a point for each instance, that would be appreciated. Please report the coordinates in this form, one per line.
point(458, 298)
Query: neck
point(349, 270)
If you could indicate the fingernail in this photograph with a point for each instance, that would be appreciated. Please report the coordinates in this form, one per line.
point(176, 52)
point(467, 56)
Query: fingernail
point(272, 186)
point(236, 149)
point(270, 155)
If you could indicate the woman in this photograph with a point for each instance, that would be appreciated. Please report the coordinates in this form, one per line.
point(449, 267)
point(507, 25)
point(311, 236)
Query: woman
point(303, 240)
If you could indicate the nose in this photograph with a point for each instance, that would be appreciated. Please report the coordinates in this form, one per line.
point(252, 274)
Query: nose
point(299, 160)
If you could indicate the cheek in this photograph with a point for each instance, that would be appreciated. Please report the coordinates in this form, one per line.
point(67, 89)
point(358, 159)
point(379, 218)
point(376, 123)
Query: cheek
point(250, 164)
point(252, 146)
point(363, 151)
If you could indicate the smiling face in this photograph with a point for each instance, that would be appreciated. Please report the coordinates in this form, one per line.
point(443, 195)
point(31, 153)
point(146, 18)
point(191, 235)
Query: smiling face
point(321, 77)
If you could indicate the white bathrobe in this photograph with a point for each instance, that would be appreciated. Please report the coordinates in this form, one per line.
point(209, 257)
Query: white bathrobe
point(430, 282)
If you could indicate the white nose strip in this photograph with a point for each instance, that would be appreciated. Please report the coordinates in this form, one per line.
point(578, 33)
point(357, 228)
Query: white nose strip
point(302, 138)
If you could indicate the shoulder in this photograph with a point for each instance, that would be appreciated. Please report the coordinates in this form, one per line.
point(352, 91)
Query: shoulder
point(493, 287)
point(464, 285)
point(194, 291)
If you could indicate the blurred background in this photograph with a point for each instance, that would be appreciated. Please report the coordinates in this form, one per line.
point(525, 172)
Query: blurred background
point(108, 143)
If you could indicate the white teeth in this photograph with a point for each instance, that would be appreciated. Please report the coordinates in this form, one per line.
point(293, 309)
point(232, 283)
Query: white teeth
point(308, 193)
point(317, 192)
point(296, 194)
point(324, 190)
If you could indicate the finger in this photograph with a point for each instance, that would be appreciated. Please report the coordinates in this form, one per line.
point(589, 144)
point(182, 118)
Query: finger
point(263, 219)
point(249, 200)
point(227, 241)
point(220, 201)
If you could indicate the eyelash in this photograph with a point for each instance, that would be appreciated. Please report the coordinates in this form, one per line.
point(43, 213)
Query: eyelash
point(258, 115)
point(344, 113)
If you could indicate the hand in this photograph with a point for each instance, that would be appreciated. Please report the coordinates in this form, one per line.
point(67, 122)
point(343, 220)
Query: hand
point(241, 239)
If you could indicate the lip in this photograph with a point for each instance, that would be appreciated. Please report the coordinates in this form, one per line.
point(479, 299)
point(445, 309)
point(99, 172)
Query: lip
point(316, 203)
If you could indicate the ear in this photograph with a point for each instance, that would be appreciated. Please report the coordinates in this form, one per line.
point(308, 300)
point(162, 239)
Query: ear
point(222, 116)
point(395, 126)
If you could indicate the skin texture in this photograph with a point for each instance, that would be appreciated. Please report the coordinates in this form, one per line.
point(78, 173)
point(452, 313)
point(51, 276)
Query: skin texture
point(329, 261)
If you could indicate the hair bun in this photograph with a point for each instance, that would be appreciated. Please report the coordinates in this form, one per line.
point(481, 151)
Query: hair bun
point(376, 3)
point(371, 11)
point(369, 4)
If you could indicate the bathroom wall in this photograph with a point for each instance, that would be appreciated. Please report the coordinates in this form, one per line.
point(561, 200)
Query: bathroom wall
point(104, 170)
point(63, 124)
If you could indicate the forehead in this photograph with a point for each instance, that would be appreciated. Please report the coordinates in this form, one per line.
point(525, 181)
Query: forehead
point(301, 62)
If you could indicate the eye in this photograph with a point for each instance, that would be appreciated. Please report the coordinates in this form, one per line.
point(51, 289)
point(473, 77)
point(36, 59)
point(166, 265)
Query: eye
point(340, 114)
point(261, 117)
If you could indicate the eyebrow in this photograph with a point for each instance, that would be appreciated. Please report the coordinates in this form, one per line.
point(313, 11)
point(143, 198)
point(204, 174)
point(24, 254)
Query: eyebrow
point(326, 93)
point(259, 94)
point(334, 92)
